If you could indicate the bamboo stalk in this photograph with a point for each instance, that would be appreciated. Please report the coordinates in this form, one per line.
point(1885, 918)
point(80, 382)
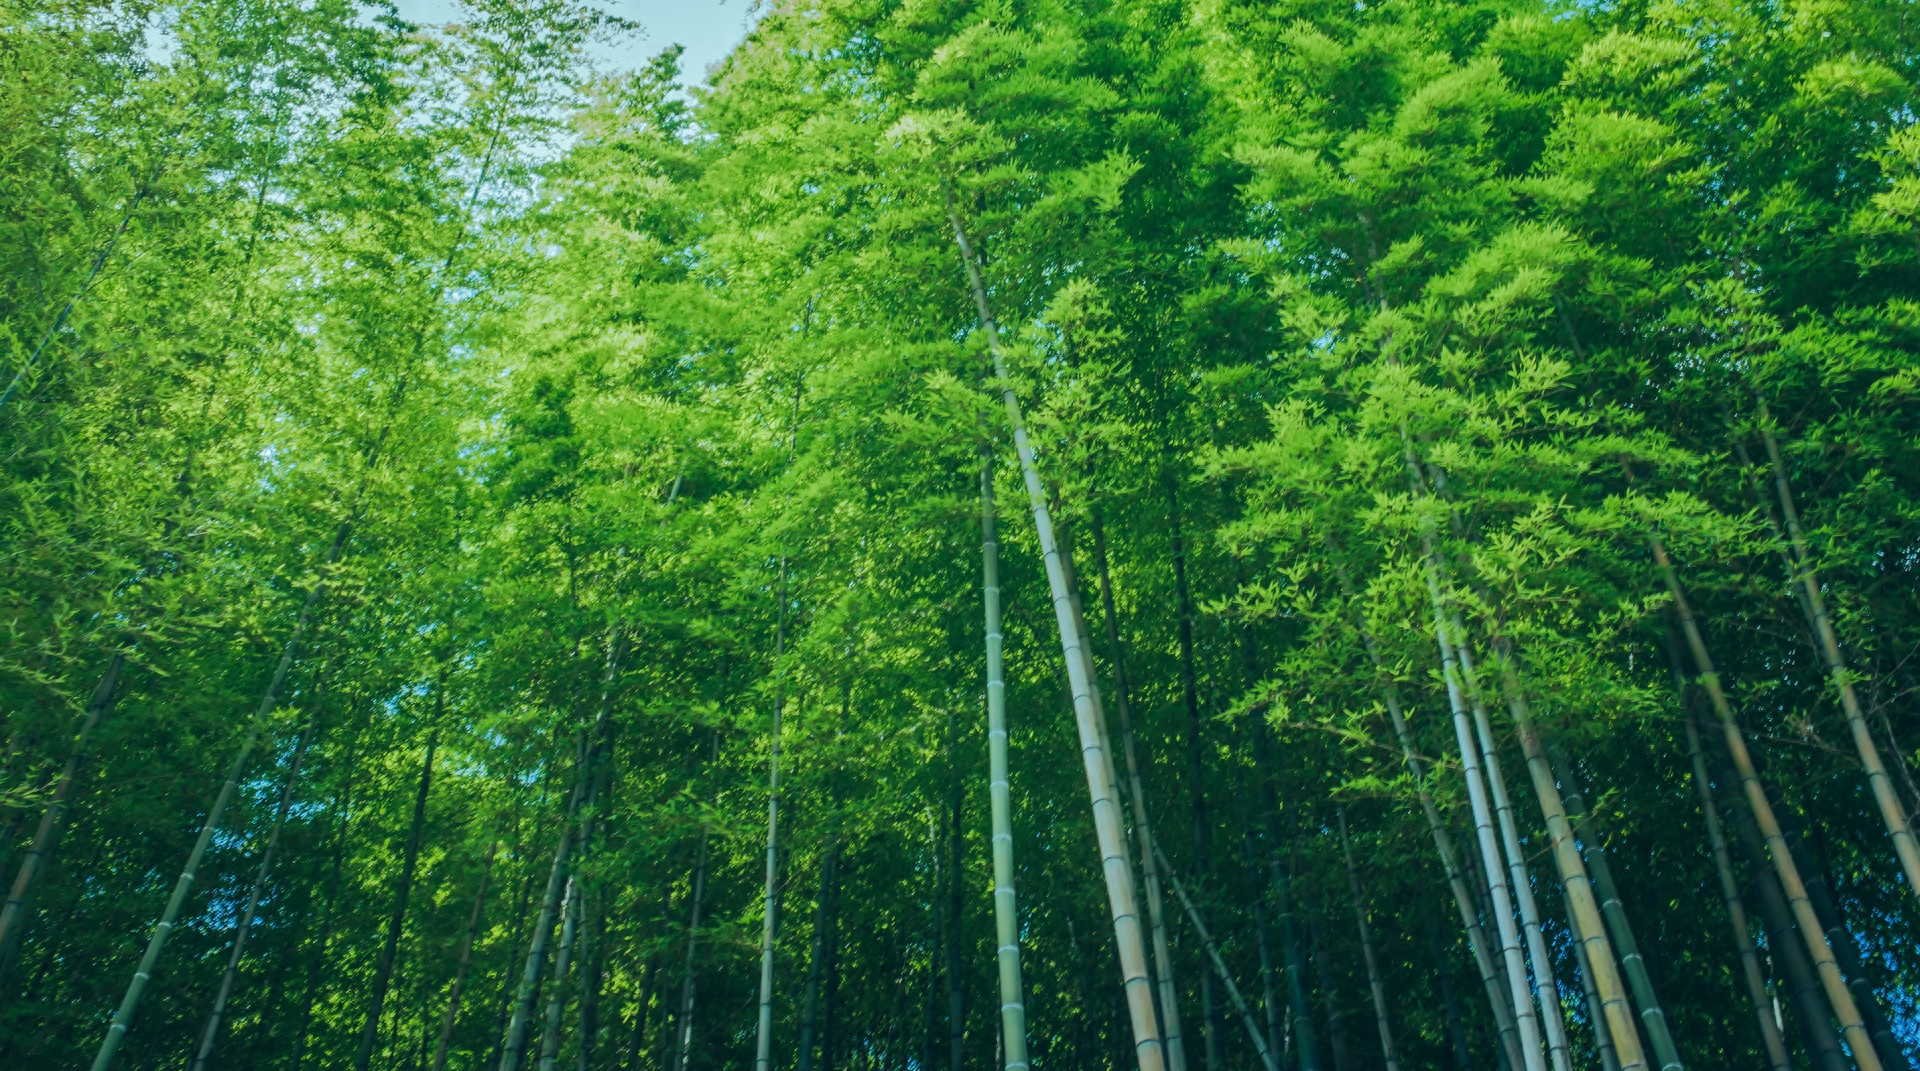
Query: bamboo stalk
point(763, 1035)
point(1596, 1013)
point(1374, 981)
point(1652, 1016)
point(1477, 941)
point(1006, 916)
point(1546, 988)
point(1162, 964)
point(1220, 968)
point(466, 960)
point(1892, 813)
point(210, 1035)
point(1755, 977)
point(1831, 980)
point(562, 966)
point(1148, 1051)
point(383, 973)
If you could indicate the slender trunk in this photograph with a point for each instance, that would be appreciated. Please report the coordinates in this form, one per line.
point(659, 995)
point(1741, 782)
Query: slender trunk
point(1108, 827)
point(1755, 976)
point(562, 965)
point(1257, 905)
point(1545, 987)
point(1374, 982)
point(169, 917)
point(1516, 968)
point(505, 999)
point(1892, 814)
point(1302, 1014)
point(637, 1041)
point(1834, 926)
point(1456, 1030)
point(1831, 980)
point(1776, 918)
point(1631, 961)
point(557, 881)
point(1477, 940)
point(466, 961)
point(1006, 918)
point(1596, 1013)
point(211, 1033)
point(13, 914)
point(822, 919)
point(1196, 790)
point(1220, 968)
point(383, 974)
point(1169, 1007)
point(763, 1043)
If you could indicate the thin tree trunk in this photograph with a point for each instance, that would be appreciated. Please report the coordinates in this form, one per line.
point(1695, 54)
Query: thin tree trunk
point(1220, 968)
point(1803, 984)
point(1006, 917)
point(1477, 941)
point(1546, 988)
point(1256, 902)
point(1374, 982)
point(1892, 814)
point(562, 965)
point(1756, 978)
point(1169, 1007)
point(169, 917)
point(1456, 1030)
point(1631, 961)
point(1196, 790)
point(1148, 1052)
point(383, 974)
point(763, 1043)
point(12, 915)
point(1596, 1013)
point(1516, 970)
point(1831, 980)
point(1834, 926)
point(505, 999)
point(344, 807)
point(822, 920)
point(211, 1033)
point(637, 1041)
point(466, 961)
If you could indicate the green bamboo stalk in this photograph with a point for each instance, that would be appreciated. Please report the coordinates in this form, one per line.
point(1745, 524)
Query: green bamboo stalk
point(1892, 813)
point(1374, 983)
point(1149, 1053)
point(1831, 980)
point(1006, 917)
point(1220, 967)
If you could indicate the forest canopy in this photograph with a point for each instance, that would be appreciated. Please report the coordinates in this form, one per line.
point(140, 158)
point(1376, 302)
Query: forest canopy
point(1168, 535)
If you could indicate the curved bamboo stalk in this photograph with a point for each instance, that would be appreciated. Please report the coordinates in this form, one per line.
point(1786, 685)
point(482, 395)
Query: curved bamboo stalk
point(1148, 1051)
point(1831, 980)
point(1006, 916)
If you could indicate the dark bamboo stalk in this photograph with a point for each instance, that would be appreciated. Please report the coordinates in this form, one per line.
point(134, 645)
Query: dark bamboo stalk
point(466, 960)
point(390, 951)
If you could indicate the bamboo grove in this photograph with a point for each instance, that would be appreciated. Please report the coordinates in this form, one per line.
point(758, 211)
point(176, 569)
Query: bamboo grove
point(1165, 536)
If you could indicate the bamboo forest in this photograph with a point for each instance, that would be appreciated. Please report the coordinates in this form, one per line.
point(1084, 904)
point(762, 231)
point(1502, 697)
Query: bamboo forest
point(1044, 535)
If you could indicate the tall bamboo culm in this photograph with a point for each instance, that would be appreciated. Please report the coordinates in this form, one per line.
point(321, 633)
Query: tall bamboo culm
point(1108, 827)
point(1892, 813)
point(1832, 982)
point(1006, 916)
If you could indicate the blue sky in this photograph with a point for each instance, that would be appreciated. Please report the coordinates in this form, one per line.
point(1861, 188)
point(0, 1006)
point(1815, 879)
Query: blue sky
point(709, 29)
